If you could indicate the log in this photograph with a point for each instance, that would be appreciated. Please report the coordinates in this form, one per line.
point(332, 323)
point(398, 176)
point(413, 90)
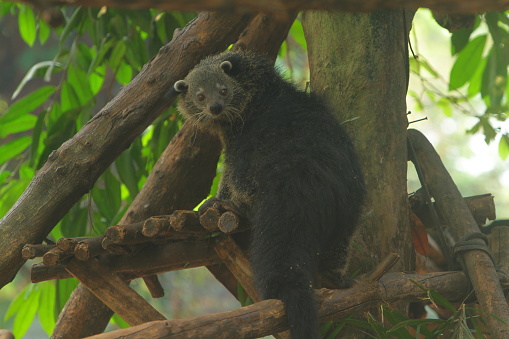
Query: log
point(186, 221)
point(156, 226)
point(229, 222)
point(87, 248)
point(54, 257)
point(481, 206)
point(67, 244)
point(268, 316)
point(210, 218)
point(154, 286)
point(238, 264)
point(498, 245)
point(152, 259)
point(114, 292)
point(126, 234)
point(453, 208)
point(31, 251)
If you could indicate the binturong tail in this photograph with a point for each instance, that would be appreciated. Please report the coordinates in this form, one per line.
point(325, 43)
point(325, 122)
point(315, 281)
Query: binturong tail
point(285, 249)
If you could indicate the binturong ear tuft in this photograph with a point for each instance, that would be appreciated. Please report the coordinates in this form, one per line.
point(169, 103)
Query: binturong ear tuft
point(226, 66)
point(181, 86)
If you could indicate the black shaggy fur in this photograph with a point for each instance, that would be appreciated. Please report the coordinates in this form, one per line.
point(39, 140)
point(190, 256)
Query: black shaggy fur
point(289, 167)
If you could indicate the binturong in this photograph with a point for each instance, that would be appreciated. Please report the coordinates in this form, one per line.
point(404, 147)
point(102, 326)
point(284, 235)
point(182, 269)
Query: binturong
point(289, 167)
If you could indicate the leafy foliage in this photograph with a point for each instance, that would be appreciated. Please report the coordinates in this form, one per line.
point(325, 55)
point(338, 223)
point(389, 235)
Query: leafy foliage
point(477, 78)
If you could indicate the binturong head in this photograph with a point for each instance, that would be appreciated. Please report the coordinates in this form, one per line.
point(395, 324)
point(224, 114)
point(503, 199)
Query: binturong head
point(209, 95)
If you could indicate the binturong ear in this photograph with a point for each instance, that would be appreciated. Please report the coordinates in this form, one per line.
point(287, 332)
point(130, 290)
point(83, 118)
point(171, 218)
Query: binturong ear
point(181, 86)
point(226, 66)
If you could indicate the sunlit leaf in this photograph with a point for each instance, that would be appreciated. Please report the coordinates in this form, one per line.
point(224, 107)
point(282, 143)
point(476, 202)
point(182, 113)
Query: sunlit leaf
point(27, 312)
point(459, 39)
point(117, 54)
point(124, 73)
point(467, 62)
point(297, 33)
point(46, 312)
point(27, 24)
point(503, 146)
point(44, 31)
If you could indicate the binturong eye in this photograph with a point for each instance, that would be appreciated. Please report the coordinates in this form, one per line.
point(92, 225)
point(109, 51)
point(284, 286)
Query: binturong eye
point(200, 97)
point(223, 91)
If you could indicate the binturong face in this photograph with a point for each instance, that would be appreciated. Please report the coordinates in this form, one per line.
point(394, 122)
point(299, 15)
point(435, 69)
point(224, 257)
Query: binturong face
point(207, 96)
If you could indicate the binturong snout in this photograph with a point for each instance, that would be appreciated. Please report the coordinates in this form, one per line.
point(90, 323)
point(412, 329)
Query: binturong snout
point(216, 108)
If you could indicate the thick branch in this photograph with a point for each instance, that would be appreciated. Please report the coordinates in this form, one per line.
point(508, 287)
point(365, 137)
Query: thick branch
point(281, 7)
point(268, 317)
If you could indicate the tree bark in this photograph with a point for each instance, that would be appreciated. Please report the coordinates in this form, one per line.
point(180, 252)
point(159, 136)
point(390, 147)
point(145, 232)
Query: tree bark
point(358, 63)
point(363, 78)
point(281, 7)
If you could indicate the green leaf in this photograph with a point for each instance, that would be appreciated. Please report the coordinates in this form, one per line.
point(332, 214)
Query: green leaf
point(441, 301)
point(503, 146)
point(44, 31)
point(79, 82)
point(27, 25)
point(21, 124)
point(467, 62)
point(127, 172)
point(297, 32)
point(13, 148)
point(68, 98)
point(117, 54)
point(459, 39)
point(27, 104)
point(476, 80)
point(36, 138)
point(96, 79)
point(64, 288)
point(27, 312)
point(47, 312)
point(124, 73)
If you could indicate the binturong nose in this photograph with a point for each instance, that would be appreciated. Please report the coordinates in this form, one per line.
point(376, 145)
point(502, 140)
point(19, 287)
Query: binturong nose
point(216, 108)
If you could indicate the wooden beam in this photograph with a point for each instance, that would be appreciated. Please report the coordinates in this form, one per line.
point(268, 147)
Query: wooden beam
point(281, 7)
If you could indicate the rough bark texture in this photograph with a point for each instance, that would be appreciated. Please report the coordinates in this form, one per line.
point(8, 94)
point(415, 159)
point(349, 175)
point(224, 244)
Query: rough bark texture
point(282, 6)
point(358, 64)
point(268, 316)
point(72, 170)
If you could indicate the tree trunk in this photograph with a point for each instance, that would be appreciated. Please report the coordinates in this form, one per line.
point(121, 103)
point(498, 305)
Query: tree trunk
point(361, 69)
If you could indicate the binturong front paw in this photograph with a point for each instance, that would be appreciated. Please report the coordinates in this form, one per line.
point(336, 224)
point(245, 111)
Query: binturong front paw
point(220, 204)
point(212, 202)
